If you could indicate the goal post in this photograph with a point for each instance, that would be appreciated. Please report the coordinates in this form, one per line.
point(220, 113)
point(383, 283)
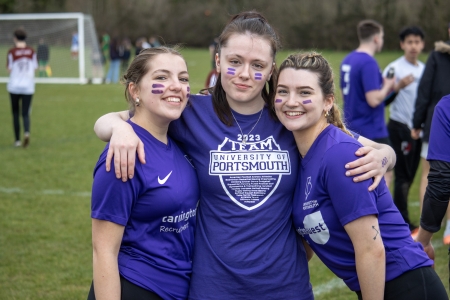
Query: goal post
point(66, 44)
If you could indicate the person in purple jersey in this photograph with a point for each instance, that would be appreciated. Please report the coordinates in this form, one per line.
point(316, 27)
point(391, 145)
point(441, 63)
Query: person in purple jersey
point(247, 163)
point(143, 230)
point(360, 235)
point(364, 89)
point(437, 194)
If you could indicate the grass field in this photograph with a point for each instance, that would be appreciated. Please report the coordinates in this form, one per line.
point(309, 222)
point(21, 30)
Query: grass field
point(45, 237)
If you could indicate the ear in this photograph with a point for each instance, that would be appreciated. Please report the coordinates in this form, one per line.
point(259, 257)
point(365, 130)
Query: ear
point(271, 71)
point(329, 102)
point(133, 90)
point(217, 62)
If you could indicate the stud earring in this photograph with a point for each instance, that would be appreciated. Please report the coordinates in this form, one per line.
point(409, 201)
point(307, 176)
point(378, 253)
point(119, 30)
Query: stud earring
point(326, 114)
point(137, 101)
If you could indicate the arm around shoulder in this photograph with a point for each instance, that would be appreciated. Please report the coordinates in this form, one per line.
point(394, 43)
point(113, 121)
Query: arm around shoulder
point(105, 125)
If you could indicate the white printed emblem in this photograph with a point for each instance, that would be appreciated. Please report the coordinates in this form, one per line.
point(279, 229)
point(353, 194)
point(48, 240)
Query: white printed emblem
point(308, 187)
point(251, 172)
point(162, 181)
point(315, 227)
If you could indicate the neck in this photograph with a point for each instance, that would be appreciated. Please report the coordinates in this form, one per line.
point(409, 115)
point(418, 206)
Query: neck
point(366, 48)
point(247, 108)
point(156, 128)
point(305, 138)
point(21, 44)
point(411, 60)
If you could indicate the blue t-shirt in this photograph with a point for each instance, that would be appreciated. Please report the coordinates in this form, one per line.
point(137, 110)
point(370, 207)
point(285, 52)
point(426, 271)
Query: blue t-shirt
point(440, 131)
point(360, 74)
point(158, 209)
point(245, 243)
point(325, 200)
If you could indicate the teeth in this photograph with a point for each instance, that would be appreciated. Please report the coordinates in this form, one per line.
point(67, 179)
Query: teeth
point(173, 99)
point(294, 113)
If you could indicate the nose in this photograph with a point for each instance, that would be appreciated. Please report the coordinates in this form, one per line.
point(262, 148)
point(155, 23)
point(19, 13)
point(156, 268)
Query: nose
point(175, 85)
point(245, 72)
point(292, 101)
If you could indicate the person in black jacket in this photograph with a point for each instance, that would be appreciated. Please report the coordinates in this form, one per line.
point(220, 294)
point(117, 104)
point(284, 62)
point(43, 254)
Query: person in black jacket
point(432, 87)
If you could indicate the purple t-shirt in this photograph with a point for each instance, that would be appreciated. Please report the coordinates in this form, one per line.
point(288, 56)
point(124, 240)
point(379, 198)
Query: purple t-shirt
point(440, 131)
point(325, 200)
point(158, 209)
point(245, 243)
point(360, 74)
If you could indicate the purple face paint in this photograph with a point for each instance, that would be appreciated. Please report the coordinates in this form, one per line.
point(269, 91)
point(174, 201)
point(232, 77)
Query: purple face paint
point(258, 76)
point(307, 101)
point(188, 89)
point(157, 91)
point(231, 71)
point(278, 100)
point(157, 85)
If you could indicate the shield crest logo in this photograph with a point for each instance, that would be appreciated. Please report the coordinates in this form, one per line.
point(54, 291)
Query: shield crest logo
point(249, 173)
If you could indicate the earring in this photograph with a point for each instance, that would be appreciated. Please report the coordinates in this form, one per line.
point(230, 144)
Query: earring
point(137, 101)
point(326, 114)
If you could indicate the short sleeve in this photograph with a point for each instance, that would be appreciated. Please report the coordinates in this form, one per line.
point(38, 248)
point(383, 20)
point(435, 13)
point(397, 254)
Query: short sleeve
point(371, 77)
point(112, 200)
point(351, 200)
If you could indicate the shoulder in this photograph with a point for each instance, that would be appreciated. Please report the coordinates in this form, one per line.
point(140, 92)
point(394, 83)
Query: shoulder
point(340, 146)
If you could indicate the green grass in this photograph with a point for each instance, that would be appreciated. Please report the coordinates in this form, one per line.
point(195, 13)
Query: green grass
point(45, 241)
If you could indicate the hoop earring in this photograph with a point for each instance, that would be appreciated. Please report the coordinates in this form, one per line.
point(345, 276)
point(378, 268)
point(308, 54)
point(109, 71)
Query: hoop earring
point(137, 102)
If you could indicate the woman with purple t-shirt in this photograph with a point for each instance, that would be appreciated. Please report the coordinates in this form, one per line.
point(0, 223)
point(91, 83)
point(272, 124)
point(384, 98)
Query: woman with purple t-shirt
point(247, 164)
point(143, 229)
point(360, 235)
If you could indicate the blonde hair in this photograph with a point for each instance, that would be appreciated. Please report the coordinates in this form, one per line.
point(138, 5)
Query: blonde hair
point(316, 63)
point(140, 66)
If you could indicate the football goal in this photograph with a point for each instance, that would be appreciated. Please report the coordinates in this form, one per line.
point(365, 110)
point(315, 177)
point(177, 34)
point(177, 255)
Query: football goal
point(66, 44)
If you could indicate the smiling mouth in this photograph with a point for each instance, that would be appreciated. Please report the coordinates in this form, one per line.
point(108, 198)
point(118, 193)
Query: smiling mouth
point(173, 99)
point(294, 113)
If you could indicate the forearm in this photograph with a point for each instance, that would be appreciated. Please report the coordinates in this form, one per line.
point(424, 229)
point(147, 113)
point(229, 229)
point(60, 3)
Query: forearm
point(371, 269)
point(386, 151)
point(375, 98)
point(106, 124)
point(106, 276)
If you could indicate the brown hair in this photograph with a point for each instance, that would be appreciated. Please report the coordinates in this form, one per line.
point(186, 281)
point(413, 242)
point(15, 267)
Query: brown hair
point(20, 34)
point(368, 28)
point(316, 63)
point(140, 66)
point(246, 22)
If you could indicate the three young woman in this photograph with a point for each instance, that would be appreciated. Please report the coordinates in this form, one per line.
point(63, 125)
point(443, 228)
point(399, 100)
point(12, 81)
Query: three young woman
point(247, 166)
point(359, 235)
point(143, 230)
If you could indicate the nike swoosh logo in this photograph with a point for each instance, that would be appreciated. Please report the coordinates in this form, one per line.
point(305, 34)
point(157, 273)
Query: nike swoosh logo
point(162, 181)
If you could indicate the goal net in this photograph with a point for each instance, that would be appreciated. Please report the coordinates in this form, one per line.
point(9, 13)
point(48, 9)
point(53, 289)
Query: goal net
point(66, 45)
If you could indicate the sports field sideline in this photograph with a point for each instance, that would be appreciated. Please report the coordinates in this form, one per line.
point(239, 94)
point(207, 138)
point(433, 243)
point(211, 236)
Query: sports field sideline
point(45, 237)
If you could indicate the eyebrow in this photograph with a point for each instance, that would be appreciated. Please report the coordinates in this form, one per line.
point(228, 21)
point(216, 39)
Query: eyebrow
point(241, 57)
point(297, 88)
point(168, 72)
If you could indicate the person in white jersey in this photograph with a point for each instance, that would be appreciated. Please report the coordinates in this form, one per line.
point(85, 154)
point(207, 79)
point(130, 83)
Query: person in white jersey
point(407, 71)
point(21, 64)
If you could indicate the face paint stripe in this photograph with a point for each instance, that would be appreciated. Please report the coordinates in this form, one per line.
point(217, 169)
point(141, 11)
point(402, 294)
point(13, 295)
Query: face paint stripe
point(278, 100)
point(231, 69)
point(231, 73)
point(157, 85)
point(307, 101)
point(188, 89)
point(157, 91)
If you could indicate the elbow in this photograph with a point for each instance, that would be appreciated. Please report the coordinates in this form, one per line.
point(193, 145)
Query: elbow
point(372, 103)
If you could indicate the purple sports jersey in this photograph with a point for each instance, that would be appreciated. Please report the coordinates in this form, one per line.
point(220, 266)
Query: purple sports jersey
point(360, 74)
point(325, 200)
point(440, 131)
point(158, 209)
point(245, 243)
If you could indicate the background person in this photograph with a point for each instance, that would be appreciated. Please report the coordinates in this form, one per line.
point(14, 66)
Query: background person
point(21, 64)
point(143, 230)
point(408, 71)
point(74, 46)
point(43, 56)
point(364, 89)
point(432, 87)
point(359, 235)
point(114, 62)
point(245, 245)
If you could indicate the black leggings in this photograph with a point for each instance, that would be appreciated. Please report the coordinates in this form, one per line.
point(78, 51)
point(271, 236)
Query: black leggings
point(129, 291)
point(418, 284)
point(26, 107)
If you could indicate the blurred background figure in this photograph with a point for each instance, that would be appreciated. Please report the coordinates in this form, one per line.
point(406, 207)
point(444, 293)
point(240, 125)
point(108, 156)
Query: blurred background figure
point(74, 46)
point(145, 44)
point(105, 47)
point(125, 54)
point(154, 42)
point(43, 56)
point(114, 66)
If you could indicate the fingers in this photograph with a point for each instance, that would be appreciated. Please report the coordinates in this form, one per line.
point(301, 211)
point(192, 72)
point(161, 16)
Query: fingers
point(128, 165)
point(376, 182)
point(124, 164)
point(141, 152)
point(109, 156)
